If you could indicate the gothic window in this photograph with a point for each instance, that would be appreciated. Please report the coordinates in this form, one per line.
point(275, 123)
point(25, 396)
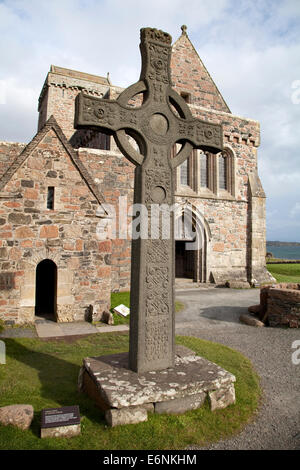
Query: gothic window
point(204, 170)
point(184, 173)
point(223, 173)
point(226, 172)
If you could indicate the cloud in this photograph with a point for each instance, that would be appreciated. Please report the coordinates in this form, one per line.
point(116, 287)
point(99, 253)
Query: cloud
point(251, 50)
point(295, 211)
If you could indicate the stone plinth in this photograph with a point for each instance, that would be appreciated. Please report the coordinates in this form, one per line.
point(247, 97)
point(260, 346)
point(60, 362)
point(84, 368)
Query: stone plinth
point(127, 397)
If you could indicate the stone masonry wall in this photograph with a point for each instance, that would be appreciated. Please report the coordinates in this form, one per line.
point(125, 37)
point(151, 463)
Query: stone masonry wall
point(280, 305)
point(115, 176)
point(8, 152)
point(189, 75)
point(30, 233)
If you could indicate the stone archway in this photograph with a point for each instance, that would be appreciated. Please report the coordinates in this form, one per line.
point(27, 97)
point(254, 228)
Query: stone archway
point(46, 290)
point(191, 246)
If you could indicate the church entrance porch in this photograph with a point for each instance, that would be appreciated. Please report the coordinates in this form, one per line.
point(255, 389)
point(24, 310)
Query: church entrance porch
point(184, 261)
point(46, 290)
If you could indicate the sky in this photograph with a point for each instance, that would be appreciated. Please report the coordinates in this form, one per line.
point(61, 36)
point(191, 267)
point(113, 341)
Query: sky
point(251, 49)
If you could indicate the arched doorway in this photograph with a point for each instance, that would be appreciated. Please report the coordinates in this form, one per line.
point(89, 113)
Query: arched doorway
point(46, 288)
point(190, 247)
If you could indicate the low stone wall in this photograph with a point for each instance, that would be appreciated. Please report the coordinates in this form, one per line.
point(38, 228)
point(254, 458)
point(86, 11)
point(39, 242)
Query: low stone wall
point(280, 305)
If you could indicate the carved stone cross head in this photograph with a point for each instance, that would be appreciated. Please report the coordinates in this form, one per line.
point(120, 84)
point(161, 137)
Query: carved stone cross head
point(153, 123)
point(156, 128)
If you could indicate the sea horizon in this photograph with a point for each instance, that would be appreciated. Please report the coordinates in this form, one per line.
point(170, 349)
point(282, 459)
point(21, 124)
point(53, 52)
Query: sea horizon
point(289, 252)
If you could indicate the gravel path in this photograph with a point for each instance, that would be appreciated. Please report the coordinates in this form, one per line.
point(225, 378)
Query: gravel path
point(212, 314)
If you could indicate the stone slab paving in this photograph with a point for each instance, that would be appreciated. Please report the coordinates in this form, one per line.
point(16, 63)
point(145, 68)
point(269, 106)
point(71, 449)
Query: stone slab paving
point(50, 329)
point(18, 333)
point(78, 328)
point(111, 329)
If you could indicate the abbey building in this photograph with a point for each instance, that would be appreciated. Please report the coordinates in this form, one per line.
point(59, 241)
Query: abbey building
point(55, 190)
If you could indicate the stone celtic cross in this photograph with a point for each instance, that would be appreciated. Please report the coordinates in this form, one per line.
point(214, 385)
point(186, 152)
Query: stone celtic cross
point(156, 128)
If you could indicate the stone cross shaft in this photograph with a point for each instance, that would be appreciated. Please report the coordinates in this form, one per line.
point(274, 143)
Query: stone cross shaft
point(156, 127)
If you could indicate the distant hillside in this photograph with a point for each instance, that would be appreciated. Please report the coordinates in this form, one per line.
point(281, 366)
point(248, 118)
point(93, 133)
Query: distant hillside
point(277, 243)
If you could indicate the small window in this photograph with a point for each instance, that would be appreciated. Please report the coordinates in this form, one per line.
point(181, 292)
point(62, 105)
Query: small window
point(50, 198)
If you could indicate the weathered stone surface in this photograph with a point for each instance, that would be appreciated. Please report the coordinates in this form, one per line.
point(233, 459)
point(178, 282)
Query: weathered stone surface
point(250, 320)
point(61, 431)
point(280, 305)
point(255, 309)
point(183, 351)
point(238, 285)
point(107, 317)
point(119, 387)
point(126, 416)
point(19, 218)
point(27, 238)
point(20, 416)
point(181, 405)
point(222, 398)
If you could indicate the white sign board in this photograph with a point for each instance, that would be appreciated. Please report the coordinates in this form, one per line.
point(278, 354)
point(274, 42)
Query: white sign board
point(122, 310)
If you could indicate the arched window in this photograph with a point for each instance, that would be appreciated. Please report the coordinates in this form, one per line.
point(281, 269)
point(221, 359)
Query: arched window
point(223, 173)
point(204, 170)
point(226, 172)
point(184, 173)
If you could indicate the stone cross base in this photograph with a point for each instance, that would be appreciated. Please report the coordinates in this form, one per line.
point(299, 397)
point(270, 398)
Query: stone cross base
point(127, 397)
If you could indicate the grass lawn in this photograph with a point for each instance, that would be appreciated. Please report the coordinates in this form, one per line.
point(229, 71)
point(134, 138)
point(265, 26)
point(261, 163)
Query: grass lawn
point(118, 298)
point(44, 374)
point(285, 272)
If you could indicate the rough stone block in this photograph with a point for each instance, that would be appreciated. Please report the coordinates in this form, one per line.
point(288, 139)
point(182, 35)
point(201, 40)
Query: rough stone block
point(255, 309)
point(20, 416)
point(220, 399)
point(61, 431)
point(107, 317)
point(250, 320)
point(129, 415)
point(238, 284)
point(180, 405)
point(121, 387)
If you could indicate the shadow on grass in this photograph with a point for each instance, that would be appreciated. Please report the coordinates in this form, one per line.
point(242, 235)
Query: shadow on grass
point(55, 386)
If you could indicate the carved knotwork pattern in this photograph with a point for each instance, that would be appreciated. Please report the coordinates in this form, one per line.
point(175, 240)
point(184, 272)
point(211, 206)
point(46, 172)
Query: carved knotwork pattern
point(156, 338)
point(158, 64)
point(153, 34)
point(102, 114)
point(157, 295)
point(202, 133)
point(157, 177)
point(157, 251)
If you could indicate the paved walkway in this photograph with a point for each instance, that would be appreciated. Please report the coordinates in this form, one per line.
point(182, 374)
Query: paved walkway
point(213, 315)
point(50, 329)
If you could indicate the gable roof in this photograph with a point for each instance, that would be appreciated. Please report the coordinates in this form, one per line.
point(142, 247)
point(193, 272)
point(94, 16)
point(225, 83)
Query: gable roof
point(20, 159)
point(190, 74)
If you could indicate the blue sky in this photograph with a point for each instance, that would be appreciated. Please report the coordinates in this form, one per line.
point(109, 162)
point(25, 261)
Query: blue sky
point(250, 47)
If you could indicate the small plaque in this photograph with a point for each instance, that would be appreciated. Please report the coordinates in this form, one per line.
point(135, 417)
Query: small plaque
point(122, 310)
point(57, 417)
